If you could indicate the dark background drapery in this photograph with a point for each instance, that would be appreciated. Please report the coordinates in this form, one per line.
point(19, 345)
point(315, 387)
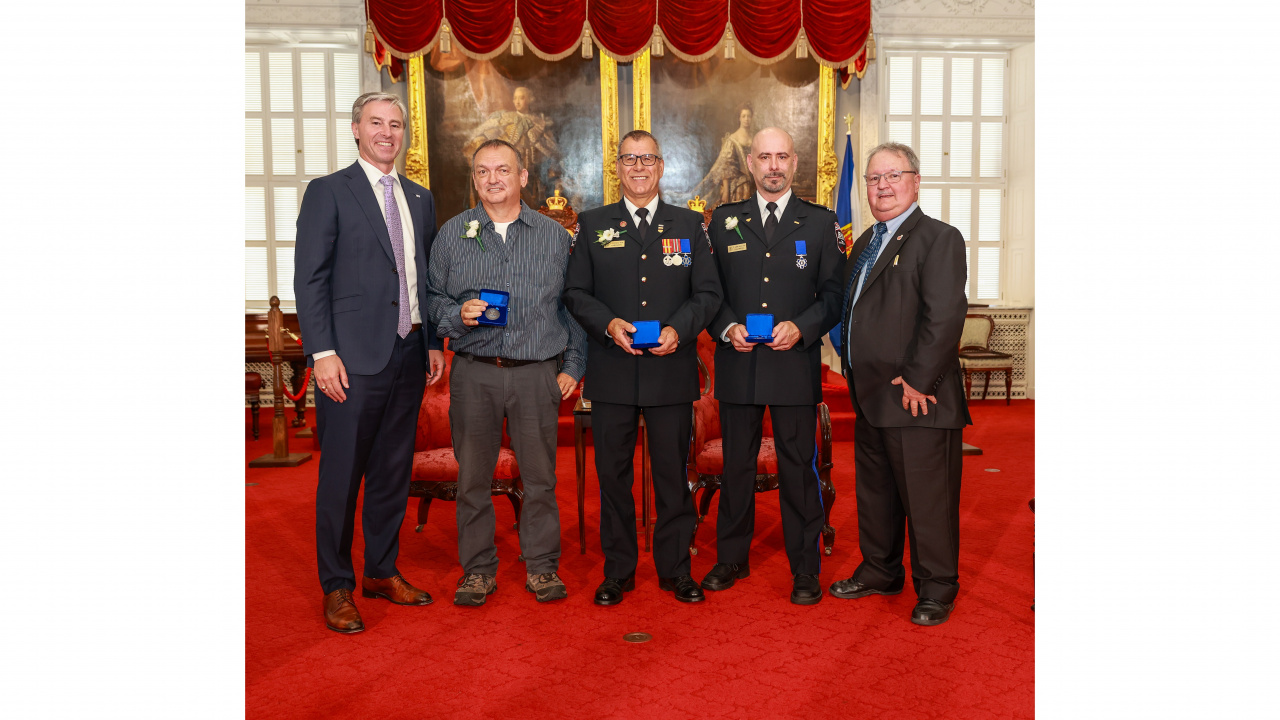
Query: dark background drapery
point(836, 30)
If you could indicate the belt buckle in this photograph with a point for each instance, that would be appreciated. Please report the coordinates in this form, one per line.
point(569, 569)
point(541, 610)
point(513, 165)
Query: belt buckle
point(499, 362)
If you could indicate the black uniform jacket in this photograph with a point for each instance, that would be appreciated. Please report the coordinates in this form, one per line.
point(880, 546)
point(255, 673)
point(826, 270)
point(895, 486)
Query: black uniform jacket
point(630, 281)
point(760, 277)
point(907, 322)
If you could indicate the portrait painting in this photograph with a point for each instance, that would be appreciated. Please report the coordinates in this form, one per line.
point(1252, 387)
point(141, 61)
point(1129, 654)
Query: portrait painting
point(706, 113)
point(550, 112)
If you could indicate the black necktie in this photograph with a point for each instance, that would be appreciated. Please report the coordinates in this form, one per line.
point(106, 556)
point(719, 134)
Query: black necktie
point(643, 226)
point(770, 223)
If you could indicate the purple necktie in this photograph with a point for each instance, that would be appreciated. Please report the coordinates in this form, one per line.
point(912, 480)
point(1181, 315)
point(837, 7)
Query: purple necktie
point(396, 231)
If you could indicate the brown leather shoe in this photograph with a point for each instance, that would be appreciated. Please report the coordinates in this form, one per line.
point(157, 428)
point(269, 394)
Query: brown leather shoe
point(340, 613)
point(396, 589)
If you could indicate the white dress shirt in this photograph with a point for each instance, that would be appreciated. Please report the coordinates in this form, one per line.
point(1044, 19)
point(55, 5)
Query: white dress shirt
point(406, 233)
point(632, 208)
point(764, 215)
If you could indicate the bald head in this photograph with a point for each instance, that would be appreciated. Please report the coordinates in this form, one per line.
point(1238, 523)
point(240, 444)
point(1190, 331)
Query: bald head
point(772, 162)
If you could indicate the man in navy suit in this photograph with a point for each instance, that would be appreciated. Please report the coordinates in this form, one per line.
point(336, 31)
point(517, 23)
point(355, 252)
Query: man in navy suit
point(364, 236)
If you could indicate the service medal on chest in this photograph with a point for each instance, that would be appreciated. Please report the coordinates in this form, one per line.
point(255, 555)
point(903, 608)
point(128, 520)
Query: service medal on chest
point(666, 260)
point(802, 260)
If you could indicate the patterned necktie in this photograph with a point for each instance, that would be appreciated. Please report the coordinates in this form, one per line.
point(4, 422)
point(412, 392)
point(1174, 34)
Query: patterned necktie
point(643, 226)
point(872, 250)
point(868, 256)
point(396, 231)
point(770, 223)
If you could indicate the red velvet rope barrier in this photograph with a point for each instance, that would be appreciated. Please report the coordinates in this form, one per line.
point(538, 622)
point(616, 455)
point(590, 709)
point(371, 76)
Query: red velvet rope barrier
point(306, 377)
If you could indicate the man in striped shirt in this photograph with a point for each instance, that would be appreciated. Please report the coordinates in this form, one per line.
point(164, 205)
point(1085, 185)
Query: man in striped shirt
point(519, 371)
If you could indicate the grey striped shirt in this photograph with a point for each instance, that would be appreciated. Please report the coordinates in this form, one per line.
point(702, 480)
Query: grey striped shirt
point(530, 265)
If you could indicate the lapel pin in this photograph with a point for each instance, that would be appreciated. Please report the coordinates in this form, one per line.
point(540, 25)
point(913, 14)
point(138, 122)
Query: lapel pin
point(797, 222)
point(895, 261)
point(622, 224)
point(898, 238)
point(659, 229)
point(748, 219)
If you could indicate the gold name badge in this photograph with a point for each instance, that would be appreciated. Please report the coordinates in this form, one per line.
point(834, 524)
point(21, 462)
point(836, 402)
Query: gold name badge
point(737, 248)
point(616, 244)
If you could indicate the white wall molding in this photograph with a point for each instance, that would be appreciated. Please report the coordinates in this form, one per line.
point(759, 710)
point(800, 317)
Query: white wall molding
point(305, 13)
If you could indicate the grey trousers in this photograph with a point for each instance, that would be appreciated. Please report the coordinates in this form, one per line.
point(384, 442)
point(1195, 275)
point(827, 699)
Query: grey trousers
point(480, 396)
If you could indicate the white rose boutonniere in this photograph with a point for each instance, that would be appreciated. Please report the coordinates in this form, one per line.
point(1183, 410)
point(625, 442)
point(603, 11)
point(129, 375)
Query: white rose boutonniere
point(604, 237)
point(731, 223)
point(473, 232)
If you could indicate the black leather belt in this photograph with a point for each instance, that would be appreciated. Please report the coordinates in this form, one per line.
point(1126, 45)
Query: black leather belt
point(500, 361)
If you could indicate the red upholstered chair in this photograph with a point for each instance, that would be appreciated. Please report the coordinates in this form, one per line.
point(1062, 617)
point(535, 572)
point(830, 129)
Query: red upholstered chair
point(706, 461)
point(435, 470)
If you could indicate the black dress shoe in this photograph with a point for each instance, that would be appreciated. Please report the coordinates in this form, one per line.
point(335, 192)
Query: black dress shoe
point(685, 588)
point(851, 589)
point(610, 591)
point(805, 590)
point(931, 612)
point(724, 575)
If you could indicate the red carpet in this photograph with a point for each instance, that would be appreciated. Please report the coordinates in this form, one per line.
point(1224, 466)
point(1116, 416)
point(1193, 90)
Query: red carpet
point(744, 653)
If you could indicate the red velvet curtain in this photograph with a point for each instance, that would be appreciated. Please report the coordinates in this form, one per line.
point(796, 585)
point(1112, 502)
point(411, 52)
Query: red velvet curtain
point(623, 27)
point(480, 26)
point(836, 29)
point(765, 28)
point(552, 26)
point(406, 26)
point(694, 27)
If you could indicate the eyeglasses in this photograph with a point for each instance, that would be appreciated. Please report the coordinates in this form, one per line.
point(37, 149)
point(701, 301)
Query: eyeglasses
point(893, 176)
point(646, 159)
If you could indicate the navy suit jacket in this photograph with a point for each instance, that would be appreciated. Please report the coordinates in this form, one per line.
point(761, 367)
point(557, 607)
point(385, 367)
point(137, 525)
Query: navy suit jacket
point(345, 276)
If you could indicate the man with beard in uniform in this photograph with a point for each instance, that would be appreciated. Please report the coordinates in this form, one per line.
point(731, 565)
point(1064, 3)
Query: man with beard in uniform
point(778, 255)
point(642, 260)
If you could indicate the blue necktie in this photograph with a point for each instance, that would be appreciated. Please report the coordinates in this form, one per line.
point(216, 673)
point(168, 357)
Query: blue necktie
point(865, 260)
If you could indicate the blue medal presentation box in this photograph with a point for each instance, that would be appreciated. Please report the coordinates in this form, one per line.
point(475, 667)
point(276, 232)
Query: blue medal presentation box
point(646, 334)
point(496, 314)
point(759, 328)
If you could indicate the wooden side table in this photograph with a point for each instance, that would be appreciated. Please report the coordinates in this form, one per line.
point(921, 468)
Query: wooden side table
point(582, 423)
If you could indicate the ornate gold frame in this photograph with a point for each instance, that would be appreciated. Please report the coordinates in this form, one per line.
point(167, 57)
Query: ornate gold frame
point(609, 126)
point(415, 158)
point(828, 168)
point(415, 161)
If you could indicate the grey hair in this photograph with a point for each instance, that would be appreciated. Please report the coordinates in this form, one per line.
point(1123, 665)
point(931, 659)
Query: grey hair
point(640, 135)
point(493, 143)
point(357, 108)
point(899, 148)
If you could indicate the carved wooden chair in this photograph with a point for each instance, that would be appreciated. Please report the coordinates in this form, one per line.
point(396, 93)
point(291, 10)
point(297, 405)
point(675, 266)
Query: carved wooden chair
point(252, 386)
point(706, 455)
point(976, 355)
point(435, 470)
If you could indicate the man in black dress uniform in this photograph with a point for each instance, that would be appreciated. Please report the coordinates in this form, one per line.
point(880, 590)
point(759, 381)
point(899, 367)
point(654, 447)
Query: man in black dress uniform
point(642, 260)
point(779, 255)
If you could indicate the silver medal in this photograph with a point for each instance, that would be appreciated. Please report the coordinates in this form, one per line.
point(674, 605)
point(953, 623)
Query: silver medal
point(666, 260)
point(492, 313)
point(688, 260)
point(801, 262)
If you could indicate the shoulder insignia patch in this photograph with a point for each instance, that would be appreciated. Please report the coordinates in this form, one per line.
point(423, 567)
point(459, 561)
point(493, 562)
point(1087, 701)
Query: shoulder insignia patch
point(842, 238)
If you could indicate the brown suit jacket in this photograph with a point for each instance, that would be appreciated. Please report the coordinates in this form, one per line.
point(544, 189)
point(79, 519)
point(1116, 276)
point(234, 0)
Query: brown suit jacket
point(908, 322)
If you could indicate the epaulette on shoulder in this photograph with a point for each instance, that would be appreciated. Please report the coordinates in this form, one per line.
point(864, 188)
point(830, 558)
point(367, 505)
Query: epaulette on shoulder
point(816, 204)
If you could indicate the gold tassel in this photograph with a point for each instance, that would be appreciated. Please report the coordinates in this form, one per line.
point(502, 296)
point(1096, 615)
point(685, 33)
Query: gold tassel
point(659, 49)
point(517, 42)
point(871, 47)
point(368, 39)
point(802, 46)
point(728, 43)
point(446, 43)
point(587, 49)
